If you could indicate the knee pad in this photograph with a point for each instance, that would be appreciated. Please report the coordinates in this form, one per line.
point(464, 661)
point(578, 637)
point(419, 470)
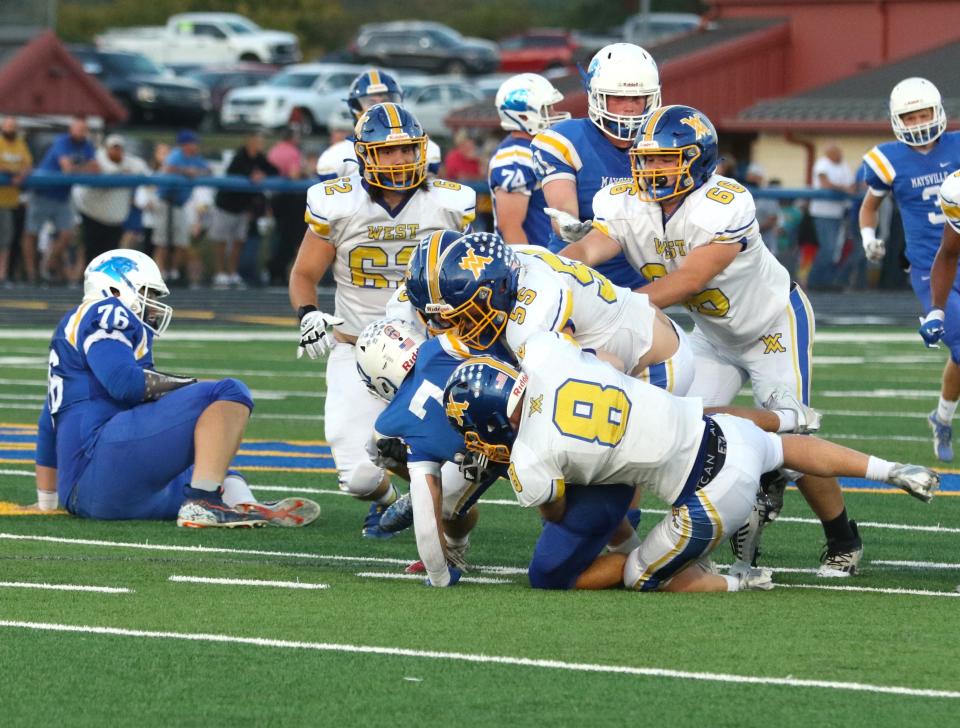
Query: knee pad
point(361, 480)
point(233, 390)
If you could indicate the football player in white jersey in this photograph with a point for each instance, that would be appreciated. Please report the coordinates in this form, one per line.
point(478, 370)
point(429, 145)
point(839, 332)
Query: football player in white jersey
point(566, 417)
point(368, 89)
point(694, 234)
point(492, 292)
point(366, 226)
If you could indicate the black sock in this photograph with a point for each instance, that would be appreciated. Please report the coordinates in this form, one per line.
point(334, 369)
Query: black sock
point(838, 529)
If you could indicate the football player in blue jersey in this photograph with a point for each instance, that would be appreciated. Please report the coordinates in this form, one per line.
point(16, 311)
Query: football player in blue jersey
point(409, 372)
point(525, 105)
point(129, 442)
point(368, 89)
point(911, 169)
point(576, 158)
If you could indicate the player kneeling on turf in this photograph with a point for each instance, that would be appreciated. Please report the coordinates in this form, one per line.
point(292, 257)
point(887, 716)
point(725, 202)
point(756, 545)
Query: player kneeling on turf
point(565, 416)
point(403, 368)
point(129, 442)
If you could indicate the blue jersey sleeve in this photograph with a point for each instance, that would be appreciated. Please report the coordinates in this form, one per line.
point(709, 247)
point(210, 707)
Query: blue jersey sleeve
point(109, 336)
point(46, 439)
point(513, 177)
point(554, 157)
point(878, 172)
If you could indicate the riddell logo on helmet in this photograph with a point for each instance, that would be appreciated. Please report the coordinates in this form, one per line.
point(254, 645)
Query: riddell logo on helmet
point(408, 364)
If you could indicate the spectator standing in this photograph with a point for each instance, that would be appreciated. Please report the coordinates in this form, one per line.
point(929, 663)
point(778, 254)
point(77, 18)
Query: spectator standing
point(15, 160)
point(70, 153)
point(233, 210)
point(287, 207)
point(768, 210)
point(463, 162)
point(830, 172)
point(104, 209)
point(171, 227)
point(147, 198)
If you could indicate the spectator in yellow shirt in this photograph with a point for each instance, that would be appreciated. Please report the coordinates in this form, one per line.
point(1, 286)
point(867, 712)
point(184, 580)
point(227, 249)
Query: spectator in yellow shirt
point(15, 160)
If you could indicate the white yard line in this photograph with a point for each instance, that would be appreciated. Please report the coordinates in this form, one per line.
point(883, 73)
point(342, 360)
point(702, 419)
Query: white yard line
point(245, 582)
point(869, 590)
point(548, 664)
point(65, 587)
point(27, 473)
point(421, 577)
point(245, 335)
point(917, 564)
point(880, 393)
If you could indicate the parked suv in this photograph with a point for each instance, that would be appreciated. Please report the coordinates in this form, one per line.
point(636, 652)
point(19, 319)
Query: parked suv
point(148, 91)
point(425, 46)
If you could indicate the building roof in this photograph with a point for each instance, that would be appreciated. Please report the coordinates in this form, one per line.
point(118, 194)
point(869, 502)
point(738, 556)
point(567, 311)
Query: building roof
point(43, 78)
point(858, 102)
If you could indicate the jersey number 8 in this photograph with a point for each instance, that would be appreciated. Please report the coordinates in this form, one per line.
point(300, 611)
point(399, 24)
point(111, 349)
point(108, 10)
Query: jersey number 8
point(591, 412)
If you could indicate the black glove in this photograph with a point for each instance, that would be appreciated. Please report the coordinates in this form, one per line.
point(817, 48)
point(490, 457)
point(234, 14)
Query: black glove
point(473, 465)
point(391, 453)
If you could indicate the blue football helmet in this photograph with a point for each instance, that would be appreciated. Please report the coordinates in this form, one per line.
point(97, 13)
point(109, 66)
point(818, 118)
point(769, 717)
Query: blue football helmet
point(480, 396)
point(473, 286)
point(423, 260)
point(674, 153)
point(380, 131)
point(372, 87)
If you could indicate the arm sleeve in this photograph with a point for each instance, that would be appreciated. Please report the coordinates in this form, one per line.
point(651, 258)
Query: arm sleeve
point(46, 439)
point(112, 362)
point(425, 524)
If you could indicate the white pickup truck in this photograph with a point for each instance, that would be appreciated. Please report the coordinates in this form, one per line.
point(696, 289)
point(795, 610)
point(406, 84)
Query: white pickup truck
point(205, 38)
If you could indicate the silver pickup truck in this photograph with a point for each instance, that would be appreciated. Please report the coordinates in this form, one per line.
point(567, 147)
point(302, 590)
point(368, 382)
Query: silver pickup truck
point(204, 38)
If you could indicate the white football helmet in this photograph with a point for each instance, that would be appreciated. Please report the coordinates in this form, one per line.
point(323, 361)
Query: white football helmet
point(525, 103)
point(914, 94)
point(386, 352)
point(621, 69)
point(135, 279)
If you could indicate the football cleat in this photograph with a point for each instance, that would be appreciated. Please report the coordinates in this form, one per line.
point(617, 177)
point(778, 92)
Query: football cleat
point(756, 579)
point(808, 419)
point(772, 487)
point(416, 567)
point(918, 481)
point(398, 516)
point(842, 559)
point(212, 512)
point(942, 438)
point(371, 524)
point(286, 513)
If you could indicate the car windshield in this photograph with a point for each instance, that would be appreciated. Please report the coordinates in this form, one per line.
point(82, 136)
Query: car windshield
point(294, 80)
point(207, 78)
point(129, 63)
point(242, 27)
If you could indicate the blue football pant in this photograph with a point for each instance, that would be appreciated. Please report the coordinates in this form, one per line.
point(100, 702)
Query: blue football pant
point(920, 280)
point(142, 458)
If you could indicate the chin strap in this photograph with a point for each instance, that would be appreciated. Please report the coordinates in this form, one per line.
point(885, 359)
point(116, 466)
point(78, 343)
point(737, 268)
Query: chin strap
point(157, 384)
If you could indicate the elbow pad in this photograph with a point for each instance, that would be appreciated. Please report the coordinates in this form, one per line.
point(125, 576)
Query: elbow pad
point(157, 384)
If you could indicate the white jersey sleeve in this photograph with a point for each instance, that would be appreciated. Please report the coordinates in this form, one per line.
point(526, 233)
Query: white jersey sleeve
point(536, 477)
point(950, 200)
point(399, 307)
point(544, 303)
point(338, 160)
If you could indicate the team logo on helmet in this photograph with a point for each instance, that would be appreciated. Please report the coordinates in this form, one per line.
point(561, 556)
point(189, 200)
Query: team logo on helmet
point(698, 125)
point(475, 263)
point(455, 410)
point(117, 268)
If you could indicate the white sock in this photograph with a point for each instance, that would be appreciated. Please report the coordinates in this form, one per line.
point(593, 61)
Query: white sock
point(788, 420)
point(878, 469)
point(208, 485)
point(456, 542)
point(236, 490)
point(733, 583)
point(945, 410)
point(389, 497)
point(626, 546)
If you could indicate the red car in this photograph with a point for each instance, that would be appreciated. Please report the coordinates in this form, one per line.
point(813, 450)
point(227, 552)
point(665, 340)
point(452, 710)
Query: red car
point(536, 51)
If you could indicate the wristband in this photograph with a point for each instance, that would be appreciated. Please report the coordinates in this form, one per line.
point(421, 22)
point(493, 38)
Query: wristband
point(47, 500)
point(868, 233)
point(304, 310)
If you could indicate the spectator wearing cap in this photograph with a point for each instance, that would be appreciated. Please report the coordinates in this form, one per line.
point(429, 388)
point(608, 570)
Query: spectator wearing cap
point(233, 210)
point(103, 209)
point(287, 207)
point(15, 160)
point(171, 227)
point(70, 153)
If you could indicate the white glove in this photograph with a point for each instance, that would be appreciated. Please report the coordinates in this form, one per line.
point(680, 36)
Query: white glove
point(314, 338)
point(872, 247)
point(571, 229)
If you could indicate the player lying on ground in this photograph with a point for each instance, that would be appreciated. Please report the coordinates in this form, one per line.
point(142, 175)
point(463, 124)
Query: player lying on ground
point(128, 442)
point(566, 417)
